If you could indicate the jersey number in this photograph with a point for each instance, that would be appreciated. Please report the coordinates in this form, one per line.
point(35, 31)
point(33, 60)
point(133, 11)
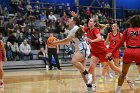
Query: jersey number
point(134, 33)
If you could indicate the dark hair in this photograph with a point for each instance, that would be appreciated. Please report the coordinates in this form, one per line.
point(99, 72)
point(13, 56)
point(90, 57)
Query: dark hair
point(134, 21)
point(79, 33)
point(77, 21)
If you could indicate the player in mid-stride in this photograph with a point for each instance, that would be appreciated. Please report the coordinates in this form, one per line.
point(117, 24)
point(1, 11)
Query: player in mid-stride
point(132, 38)
point(82, 49)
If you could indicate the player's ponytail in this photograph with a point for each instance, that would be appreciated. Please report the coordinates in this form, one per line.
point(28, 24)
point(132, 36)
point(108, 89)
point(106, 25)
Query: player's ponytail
point(79, 33)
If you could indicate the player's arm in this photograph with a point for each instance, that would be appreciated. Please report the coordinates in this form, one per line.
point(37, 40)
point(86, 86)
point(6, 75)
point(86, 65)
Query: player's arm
point(99, 38)
point(3, 50)
point(124, 42)
point(107, 40)
point(63, 41)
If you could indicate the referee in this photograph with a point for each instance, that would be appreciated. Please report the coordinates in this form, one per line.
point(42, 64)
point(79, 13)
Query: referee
point(52, 51)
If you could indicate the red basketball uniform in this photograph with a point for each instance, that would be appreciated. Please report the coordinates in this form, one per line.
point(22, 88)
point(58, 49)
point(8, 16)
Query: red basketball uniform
point(98, 49)
point(113, 41)
point(132, 38)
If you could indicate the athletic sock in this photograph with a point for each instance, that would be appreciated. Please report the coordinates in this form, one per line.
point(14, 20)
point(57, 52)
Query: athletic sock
point(85, 72)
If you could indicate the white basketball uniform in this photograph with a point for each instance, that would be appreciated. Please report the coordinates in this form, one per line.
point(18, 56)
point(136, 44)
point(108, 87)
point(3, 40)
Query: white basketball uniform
point(80, 42)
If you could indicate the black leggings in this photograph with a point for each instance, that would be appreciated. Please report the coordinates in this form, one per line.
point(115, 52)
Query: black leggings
point(53, 52)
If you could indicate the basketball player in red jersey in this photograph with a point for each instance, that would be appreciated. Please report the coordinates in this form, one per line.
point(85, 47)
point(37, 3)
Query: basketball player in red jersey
point(98, 48)
point(113, 39)
point(132, 38)
point(2, 51)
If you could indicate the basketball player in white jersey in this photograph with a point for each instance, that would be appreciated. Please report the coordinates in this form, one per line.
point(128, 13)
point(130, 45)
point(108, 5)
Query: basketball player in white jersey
point(82, 50)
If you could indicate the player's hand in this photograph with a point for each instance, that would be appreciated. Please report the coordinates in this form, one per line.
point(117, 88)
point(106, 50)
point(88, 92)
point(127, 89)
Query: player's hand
point(89, 40)
point(108, 55)
point(5, 59)
point(82, 26)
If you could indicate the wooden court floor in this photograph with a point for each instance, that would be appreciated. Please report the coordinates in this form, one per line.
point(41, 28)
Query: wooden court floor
point(67, 80)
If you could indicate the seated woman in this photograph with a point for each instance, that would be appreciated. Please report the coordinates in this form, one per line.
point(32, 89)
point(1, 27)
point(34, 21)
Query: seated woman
point(42, 55)
point(8, 51)
point(15, 51)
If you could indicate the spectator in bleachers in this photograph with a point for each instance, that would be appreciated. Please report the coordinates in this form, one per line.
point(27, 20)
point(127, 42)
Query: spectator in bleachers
point(21, 22)
point(88, 13)
point(37, 12)
point(61, 35)
point(2, 27)
point(10, 27)
point(8, 51)
point(15, 51)
point(107, 5)
point(29, 10)
point(41, 40)
point(28, 36)
point(121, 26)
point(58, 26)
point(25, 50)
point(64, 18)
point(6, 12)
point(43, 27)
point(12, 38)
point(52, 20)
point(1, 12)
point(2, 38)
point(42, 55)
point(20, 39)
point(34, 39)
point(43, 17)
point(20, 7)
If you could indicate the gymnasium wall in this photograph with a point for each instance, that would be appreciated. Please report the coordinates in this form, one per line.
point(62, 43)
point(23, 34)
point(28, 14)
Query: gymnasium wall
point(128, 4)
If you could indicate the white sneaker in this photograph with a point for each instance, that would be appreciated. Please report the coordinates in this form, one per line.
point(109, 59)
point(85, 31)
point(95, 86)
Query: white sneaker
point(138, 78)
point(91, 89)
point(118, 90)
point(131, 84)
point(89, 78)
point(111, 75)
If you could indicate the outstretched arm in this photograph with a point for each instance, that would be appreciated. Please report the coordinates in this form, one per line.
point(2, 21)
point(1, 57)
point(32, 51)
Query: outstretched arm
point(107, 40)
point(63, 41)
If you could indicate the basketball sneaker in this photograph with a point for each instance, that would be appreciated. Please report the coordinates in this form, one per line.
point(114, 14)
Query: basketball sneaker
point(118, 90)
point(116, 79)
point(89, 78)
point(101, 79)
point(130, 83)
point(91, 89)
